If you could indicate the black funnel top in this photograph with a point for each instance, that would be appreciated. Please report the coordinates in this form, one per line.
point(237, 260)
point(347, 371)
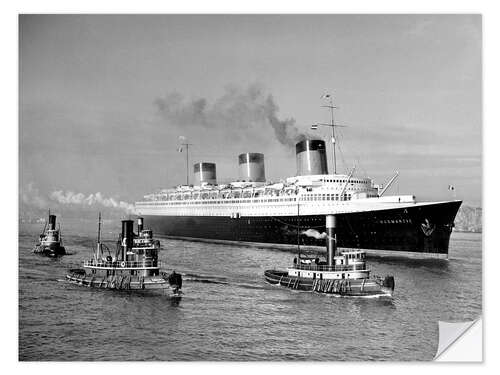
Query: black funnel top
point(309, 144)
point(52, 222)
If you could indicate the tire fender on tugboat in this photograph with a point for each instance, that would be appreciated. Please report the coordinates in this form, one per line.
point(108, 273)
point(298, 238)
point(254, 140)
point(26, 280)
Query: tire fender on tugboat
point(389, 282)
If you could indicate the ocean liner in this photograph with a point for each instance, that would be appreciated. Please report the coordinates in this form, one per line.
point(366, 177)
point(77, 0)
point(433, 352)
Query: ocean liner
point(256, 211)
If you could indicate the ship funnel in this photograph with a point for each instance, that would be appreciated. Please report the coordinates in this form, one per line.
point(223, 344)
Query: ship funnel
point(127, 236)
point(205, 172)
point(52, 222)
point(251, 167)
point(311, 157)
point(140, 224)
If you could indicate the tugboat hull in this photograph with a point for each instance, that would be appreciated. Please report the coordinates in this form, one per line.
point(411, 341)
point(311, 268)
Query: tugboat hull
point(52, 250)
point(124, 282)
point(373, 287)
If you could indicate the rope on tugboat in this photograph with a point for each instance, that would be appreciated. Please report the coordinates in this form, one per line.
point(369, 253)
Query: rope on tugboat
point(329, 286)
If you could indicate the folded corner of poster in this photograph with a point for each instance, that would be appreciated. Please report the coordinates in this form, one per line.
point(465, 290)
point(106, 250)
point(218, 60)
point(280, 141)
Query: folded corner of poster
point(460, 341)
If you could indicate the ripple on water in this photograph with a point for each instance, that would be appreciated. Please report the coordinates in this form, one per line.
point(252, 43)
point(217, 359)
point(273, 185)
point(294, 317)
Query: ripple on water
point(228, 312)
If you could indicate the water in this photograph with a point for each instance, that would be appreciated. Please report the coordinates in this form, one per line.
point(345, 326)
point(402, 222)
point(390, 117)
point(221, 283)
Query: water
point(228, 312)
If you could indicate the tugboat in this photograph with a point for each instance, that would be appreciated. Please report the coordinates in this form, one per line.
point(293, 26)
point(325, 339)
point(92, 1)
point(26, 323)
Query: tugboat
point(133, 267)
point(50, 241)
point(344, 273)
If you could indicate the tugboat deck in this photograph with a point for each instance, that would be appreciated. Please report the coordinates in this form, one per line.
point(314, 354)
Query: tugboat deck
point(124, 265)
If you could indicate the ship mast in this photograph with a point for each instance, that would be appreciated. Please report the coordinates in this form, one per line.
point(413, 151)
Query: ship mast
point(332, 125)
point(186, 144)
point(187, 163)
point(99, 230)
point(298, 231)
point(98, 250)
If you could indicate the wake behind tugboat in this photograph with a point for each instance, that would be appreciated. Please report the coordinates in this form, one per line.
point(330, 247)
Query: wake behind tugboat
point(133, 267)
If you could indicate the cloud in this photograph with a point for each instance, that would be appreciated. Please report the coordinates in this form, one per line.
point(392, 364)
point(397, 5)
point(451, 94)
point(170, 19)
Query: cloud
point(30, 196)
point(97, 199)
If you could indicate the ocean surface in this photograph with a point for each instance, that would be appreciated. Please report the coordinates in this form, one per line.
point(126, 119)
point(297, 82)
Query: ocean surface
point(228, 312)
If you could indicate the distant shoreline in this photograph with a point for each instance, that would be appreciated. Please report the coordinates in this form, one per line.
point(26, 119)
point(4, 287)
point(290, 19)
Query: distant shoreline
point(467, 231)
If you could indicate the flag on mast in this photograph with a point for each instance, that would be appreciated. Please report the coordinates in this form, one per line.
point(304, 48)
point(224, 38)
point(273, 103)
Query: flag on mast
point(182, 139)
point(451, 187)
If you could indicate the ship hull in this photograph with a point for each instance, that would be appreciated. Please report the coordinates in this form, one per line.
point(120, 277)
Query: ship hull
point(415, 229)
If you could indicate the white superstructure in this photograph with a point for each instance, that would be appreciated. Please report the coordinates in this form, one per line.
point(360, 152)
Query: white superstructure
point(316, 195)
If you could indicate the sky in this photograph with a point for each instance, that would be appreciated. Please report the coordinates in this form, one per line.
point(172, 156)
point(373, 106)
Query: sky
point(104, 99)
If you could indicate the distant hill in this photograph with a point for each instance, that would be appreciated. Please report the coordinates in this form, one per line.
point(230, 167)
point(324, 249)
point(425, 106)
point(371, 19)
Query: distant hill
point(469, 219)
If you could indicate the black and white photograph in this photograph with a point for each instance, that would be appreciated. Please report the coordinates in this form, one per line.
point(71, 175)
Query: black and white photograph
point(249, 187)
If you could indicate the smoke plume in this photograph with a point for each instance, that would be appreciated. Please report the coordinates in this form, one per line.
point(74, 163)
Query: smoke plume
point(97, 199)
point(31, 199)
point(238, 109)
point(314, 233)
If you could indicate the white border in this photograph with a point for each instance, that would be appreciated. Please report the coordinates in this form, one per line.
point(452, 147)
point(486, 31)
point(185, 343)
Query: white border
point(491, 64)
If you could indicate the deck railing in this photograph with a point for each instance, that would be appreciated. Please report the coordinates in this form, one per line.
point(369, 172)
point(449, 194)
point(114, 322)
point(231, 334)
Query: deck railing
point(123, 264)
point(321, 267)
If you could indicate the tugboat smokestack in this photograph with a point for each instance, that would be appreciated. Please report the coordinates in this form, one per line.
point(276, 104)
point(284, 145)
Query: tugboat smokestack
point(331, 239)
point(140, 224)
point(52, 222)
point(127, 237)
